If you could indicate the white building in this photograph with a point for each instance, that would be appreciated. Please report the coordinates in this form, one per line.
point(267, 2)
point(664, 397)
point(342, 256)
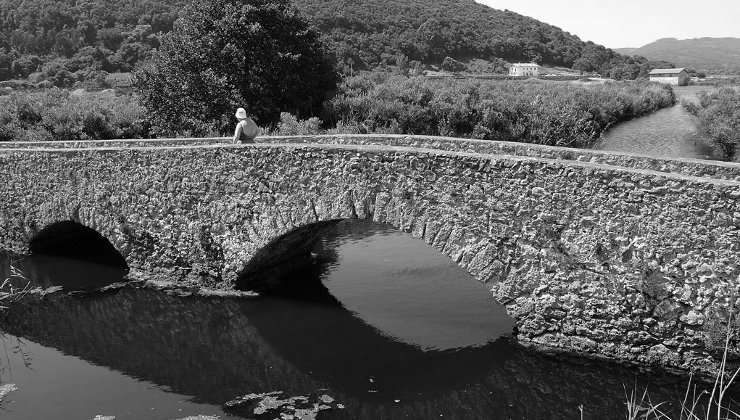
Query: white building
point(524, 70)
point(679, 77)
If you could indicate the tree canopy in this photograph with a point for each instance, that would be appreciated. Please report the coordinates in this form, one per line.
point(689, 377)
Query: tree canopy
point(224, 54)
point(65, 41)
point(50, 36)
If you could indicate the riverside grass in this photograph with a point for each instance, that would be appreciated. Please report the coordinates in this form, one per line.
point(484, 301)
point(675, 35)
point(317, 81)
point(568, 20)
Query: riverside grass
point(9, 292)
point(703, 406)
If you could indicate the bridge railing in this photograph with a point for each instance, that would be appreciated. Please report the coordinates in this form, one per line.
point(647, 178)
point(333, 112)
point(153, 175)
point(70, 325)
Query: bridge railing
point(690, 167)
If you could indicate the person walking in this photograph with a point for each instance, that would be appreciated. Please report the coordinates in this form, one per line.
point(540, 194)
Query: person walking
point(246, 129)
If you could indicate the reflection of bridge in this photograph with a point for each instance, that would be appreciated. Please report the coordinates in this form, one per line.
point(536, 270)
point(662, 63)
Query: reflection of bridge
point(217, 349)
point(624, 256)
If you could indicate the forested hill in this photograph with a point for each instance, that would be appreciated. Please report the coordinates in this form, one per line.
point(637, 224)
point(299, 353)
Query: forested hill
point(72, 35)
point(370, 31)
point(66, 41)
point(712, 54)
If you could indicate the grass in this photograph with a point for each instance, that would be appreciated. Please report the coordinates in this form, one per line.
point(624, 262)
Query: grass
point(9, 292)
point(704, 406)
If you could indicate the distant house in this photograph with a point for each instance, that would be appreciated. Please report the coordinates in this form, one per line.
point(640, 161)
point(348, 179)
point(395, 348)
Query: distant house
point(524, 70)
point(679, 77)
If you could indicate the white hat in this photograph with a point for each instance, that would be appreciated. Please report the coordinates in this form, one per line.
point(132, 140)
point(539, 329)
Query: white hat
point(241, 113)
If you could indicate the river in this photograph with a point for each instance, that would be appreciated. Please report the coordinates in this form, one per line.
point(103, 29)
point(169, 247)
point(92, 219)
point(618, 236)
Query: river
point(667, 133)
point(402, 333)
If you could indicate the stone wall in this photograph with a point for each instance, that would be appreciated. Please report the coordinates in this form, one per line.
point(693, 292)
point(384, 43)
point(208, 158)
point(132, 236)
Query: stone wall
point(693, 167)
point(614, 262)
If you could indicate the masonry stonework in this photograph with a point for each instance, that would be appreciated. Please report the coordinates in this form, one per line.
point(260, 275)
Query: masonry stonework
point(623, 263)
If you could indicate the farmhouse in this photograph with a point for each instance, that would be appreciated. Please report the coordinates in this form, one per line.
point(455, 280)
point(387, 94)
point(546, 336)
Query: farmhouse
point(524, 70)
point(678, 77)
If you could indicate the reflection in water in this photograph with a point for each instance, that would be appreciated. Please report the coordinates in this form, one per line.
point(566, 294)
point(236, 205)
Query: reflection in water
point(47, 271)
point(410, 291)
point(210, 350)
point(667, 133)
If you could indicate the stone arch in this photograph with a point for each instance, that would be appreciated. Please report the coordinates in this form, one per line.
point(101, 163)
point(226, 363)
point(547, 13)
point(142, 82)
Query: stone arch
point(306, 218)
point(274, 267)
point(73, 240)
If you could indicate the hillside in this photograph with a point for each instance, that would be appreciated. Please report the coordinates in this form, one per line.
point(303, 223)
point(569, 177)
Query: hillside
point(70, 41)
point(429, 30)
point(712, 54)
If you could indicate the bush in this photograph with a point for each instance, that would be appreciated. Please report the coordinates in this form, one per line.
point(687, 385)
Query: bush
point(55, 114)
point(532, 111)
point(289, 125)
point(719, 120)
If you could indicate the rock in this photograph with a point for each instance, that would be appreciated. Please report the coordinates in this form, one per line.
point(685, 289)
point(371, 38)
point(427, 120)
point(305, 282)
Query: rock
point(538, 191)
point(693, 318)
point(6, 389)
point(270, 406)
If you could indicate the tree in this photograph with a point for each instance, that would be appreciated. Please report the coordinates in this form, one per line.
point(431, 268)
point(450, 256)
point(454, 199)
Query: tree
point(6, 62)
point(452, 65)
point(259, 54)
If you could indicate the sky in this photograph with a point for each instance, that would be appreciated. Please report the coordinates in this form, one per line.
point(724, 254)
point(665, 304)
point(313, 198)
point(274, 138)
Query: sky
point(632, 23)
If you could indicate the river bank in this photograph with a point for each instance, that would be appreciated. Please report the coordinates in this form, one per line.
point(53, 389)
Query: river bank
point(667, 133)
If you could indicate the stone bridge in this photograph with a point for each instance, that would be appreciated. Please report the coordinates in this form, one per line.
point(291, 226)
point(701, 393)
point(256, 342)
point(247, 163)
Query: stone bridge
point(610, 255)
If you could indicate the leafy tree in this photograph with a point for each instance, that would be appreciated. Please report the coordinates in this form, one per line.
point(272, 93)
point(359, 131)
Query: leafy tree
point(25, 65)
point(222, 54)
point(6, 62)
point(452, 65)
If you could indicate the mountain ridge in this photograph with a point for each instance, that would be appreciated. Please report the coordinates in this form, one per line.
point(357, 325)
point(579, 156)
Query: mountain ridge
point(704, 53)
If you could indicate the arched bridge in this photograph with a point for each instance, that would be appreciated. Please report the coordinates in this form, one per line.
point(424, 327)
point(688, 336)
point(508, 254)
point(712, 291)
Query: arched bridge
point(614, 255)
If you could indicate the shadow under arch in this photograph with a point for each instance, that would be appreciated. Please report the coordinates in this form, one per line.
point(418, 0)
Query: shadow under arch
point(74, 256)
point(290, 265)
point(75, 241)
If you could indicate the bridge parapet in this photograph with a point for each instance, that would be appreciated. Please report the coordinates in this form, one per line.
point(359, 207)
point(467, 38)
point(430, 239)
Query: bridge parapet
point(618, 262)
point(693, 167)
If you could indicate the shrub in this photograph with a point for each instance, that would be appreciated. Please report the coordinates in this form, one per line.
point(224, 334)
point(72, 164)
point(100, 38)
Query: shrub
point(55, 114)
point(289, 125)
point(719, 120)
point(532, 111)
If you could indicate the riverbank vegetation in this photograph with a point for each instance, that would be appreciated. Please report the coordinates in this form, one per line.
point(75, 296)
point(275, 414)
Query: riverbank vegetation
point(719, 120)
point(553, 113)
point(192, 69)
point(716, 403)
point(59, 114)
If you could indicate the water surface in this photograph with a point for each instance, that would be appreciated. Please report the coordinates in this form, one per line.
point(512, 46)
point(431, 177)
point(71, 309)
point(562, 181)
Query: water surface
point(407, 335)
point(666, 133)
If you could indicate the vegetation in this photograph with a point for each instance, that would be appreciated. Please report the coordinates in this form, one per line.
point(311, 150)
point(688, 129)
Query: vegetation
point(66, 41)
point(553, 113)
point(191, 74)
point(13, 288)
point(719, 120)
point(57, 114)
point(224, 54)
point(714, 404)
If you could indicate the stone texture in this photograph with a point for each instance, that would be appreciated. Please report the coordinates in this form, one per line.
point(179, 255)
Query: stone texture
point(609, 261)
